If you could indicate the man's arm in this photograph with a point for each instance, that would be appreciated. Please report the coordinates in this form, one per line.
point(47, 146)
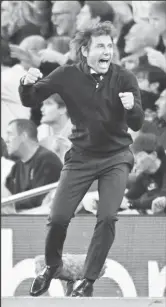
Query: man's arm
point(34, 91)
point(134, 116)
point(46, 172)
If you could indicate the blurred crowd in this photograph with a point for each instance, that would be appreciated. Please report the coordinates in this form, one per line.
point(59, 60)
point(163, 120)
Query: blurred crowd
point(34, 140)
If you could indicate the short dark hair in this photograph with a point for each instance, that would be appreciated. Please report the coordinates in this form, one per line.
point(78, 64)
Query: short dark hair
point(58, 99)
point(101, 9)
point(60, 102)
point(148, 142)
point(153, 74)
point(83, 38)
point(26, 125)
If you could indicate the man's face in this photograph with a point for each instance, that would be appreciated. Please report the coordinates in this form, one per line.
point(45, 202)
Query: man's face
point(50, 111)
point(13, 140)
point(161, 105)
point(83, 18)
point(61, 18)
point(100, 53)
point(149, 115)
point(132, 40)
point(158, 20)
point(143, 81)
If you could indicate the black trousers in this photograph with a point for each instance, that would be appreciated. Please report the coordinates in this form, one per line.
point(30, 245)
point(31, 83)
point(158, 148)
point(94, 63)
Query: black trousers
point(77, 175)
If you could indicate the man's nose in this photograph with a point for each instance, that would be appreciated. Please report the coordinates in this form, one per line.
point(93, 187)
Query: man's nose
point(106, 51)
point(42, 109)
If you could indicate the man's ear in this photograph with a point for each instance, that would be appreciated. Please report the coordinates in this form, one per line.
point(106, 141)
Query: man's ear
point(24, 135)
point(62, 110)
point(84, 51)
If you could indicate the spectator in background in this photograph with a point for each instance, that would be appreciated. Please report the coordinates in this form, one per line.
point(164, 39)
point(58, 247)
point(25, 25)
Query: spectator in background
point(55, 126)
point(157, 17)
point(49, 59)
point(94, 11)
point(42, 13)
point(28, 54)
point(150, 78)
point(64, 21)
point(141, 35)
point(64, 17)
point(140, 10)
point(123, 23)
point(152, 81)
point(150, 172)
point(18, 21)
point(55, 55)
point(158, 124)
point(21, 19)
point(35, 165)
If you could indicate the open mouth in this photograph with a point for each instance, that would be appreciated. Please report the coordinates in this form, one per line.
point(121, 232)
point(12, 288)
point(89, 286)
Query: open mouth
point(103, 61)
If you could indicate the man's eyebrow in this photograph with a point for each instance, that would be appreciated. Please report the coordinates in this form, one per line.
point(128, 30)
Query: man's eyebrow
point(101, 44)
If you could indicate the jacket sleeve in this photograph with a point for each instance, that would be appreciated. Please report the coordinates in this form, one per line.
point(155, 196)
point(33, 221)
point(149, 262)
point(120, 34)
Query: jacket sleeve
point(46, 172)
point(33, 94)
point(145, 200)
point(135, 116)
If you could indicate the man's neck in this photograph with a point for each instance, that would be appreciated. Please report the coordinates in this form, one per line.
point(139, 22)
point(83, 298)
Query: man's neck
point(29, 151)
point(57, 127)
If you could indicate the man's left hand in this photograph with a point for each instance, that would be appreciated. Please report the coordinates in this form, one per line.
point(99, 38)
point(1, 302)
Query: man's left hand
point(127, 100)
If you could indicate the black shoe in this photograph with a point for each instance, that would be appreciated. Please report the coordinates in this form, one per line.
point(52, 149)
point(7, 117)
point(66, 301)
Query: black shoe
point(84, 289)
point(42, 282)
point(69, 288)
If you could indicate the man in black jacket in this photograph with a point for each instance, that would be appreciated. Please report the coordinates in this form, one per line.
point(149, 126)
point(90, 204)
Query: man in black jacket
point(102, 100)
point(150, 172)
point(35, 165)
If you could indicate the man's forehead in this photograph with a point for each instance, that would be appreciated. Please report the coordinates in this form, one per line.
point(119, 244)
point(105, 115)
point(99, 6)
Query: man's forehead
point(50, 101)
point(61, 6)
point(102, 39)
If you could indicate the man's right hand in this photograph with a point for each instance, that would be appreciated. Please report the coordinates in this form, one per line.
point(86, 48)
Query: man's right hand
point(32, 76)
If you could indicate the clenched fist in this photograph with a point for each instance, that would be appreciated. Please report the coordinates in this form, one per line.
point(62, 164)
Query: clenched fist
point(127, 100)
point(159, 204)
point(32, 76)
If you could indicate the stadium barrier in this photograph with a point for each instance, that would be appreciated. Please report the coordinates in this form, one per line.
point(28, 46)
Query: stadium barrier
point(82, 302)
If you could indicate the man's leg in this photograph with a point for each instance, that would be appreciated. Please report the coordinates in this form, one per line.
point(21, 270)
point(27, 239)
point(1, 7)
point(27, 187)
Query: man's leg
point(75, 180)
point(111, 190)
point(71, 189)
point(112, 183)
